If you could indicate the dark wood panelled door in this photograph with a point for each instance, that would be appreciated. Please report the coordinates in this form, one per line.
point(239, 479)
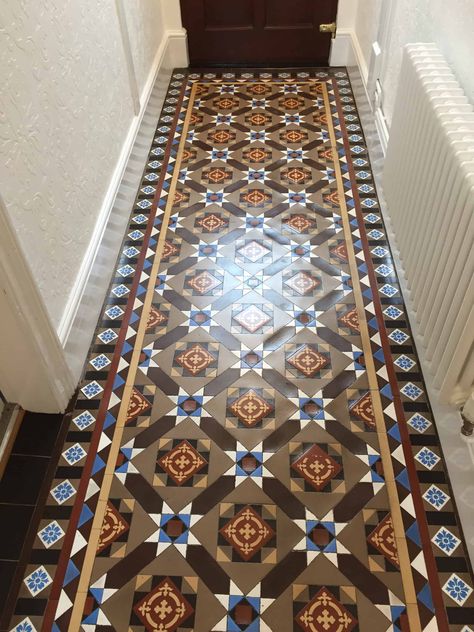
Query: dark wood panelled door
point(258, 32)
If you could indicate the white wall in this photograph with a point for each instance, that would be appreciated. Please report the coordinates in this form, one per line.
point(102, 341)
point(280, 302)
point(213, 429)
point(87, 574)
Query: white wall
point(75, 78)
point(146, 31)
point(366, 26)
point(450, 25)
point(346, 14)
point(172, 15)
point(66, 109)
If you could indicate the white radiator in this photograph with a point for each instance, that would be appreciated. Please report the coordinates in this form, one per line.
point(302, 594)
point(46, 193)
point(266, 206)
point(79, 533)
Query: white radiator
point(429, 189)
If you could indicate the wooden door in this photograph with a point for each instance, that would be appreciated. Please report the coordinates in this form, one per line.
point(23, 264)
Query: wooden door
point(258, 32)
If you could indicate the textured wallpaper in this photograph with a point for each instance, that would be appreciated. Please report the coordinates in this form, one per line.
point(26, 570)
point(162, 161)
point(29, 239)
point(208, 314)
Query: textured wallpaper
point(449, 25)
point(145, 31)
point(65, 111)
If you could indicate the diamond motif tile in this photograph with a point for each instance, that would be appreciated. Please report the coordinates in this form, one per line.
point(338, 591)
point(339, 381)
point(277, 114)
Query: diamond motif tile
point(253, 251)
point(252, 318)
point(203, 282)
point(299, 223)
point(325, 613)
point(195, 359)
point(212, 222)
point(165, 608)
point(250, 408)
point(308, 361)
point(247, 532)
point(303, 283)
point(316, 467)
point(182, 462)
point(229, 389)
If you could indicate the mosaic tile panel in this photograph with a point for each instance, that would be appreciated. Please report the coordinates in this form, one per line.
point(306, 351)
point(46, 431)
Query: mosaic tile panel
point(252, 447)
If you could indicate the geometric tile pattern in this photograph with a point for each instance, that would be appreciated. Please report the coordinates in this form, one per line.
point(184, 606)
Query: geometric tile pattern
point(252, 447)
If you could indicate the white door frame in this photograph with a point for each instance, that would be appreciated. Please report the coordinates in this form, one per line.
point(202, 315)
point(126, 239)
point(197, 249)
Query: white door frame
point(378, 65)
point(33, 368)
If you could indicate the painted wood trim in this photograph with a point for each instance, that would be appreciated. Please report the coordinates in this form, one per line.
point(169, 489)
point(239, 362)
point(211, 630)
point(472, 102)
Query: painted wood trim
point(33, 369)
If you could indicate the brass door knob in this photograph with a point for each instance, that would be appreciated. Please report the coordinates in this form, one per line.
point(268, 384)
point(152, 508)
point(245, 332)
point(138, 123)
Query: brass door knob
point(329, 28)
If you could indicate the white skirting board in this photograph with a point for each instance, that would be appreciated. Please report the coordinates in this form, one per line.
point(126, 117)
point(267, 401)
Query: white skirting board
point(346, 51)
point(40, 367)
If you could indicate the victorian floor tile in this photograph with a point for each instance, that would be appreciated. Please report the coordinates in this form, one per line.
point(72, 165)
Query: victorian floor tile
point(252, 447)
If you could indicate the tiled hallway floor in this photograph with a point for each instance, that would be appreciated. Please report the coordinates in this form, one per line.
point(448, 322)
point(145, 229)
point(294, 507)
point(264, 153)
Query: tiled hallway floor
point(252, 447)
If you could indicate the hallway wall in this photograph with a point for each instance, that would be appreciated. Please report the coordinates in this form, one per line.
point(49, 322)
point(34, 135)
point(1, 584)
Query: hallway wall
point(67, 111)
point(75, 118)
point(450, 27)
point(146, 32)
point(63, 125)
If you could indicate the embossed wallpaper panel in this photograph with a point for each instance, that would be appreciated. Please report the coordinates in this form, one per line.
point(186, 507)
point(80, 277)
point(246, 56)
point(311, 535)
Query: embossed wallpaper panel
point(66, 109)
point(145, 27)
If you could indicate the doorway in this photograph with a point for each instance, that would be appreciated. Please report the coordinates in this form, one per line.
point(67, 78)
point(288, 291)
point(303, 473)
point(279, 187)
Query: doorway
point(261, 33)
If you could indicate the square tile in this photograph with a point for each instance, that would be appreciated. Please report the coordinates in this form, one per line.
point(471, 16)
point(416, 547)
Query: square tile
point(107, 336)
point(100, 362)
point(427, 458)
point(92, 389)
point(24, 626)
point(84, 420)
point(38, 580)
point(457, 589)
point(436, 497)
point(50, 534)
point(419, 423)
point(63, 492)
point(38, 434)
point(446, 541)
point(22, 480)
point(14, 527)
point(74, 454)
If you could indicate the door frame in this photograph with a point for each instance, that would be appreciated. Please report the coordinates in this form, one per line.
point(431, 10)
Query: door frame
point(33, 369)
point(177, 10)
point(377, 69)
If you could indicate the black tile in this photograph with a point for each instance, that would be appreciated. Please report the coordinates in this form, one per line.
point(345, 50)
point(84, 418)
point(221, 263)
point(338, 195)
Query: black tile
point(7, 571)
point(30, 607)
point(22, 479)
point(38, 434)
point(14, 523)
